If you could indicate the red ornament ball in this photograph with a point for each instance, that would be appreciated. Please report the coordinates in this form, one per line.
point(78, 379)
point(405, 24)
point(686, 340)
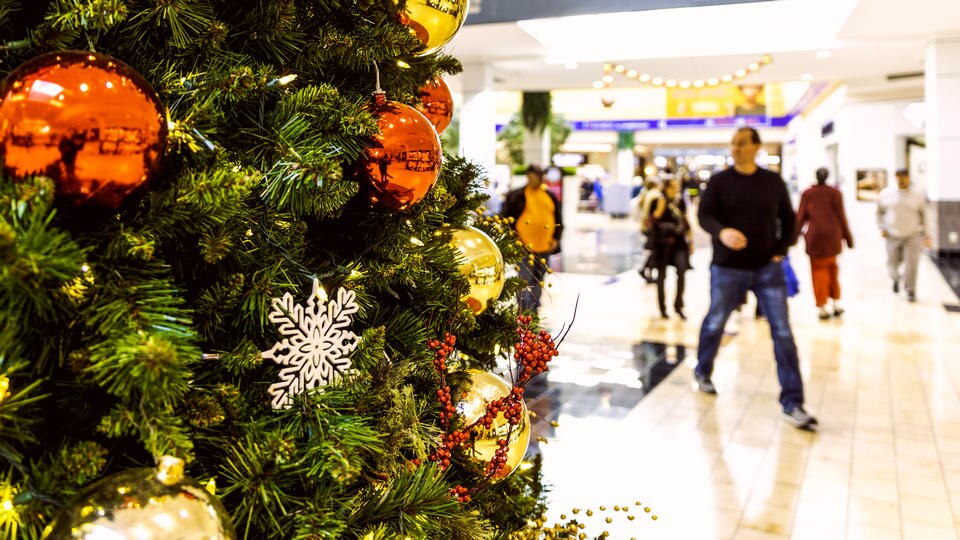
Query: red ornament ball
point(436, 103)
point(404, 161)
point(88, 121)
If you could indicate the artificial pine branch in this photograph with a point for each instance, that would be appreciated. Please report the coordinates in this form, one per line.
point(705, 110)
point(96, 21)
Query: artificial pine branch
point(138, 331)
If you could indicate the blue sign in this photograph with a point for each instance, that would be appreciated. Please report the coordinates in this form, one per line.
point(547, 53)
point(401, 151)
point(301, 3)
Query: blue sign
point(495, 11)
point(644, 125)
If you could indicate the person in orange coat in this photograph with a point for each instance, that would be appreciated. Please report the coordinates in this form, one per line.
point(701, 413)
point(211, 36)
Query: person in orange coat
point(823, 223)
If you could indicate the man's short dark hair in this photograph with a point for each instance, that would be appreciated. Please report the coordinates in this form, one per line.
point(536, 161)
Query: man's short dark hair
point(754, 134)
point(822, 174)
point(534, 168)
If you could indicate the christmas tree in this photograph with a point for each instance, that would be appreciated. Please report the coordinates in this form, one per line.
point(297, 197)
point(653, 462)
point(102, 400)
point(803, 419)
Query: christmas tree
point(156, 320)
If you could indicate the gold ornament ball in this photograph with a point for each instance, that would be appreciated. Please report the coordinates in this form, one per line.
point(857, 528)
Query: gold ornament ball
point(434, 22)
point(88, 121)
point(482, 265)
point(144, 504)
point(486, 387)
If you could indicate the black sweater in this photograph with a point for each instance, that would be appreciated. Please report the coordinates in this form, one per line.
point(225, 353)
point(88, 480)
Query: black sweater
point(758, 205)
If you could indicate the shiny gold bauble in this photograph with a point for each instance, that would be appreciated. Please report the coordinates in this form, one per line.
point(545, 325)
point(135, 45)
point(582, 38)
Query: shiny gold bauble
point(144, 504)
point(486, 387)
point(404, 161)
point(482, 266)
point(436, 103)
point(88, 121)
point(434, 22)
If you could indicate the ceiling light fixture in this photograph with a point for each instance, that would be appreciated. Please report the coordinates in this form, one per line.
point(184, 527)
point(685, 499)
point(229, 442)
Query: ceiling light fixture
point(812, 25)
point(609, 69)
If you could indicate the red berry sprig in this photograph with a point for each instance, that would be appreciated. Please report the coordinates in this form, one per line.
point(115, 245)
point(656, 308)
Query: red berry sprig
point(441, 350)
point(499, 460)
point(533, 351)
point(447, 444)
point(462, 493)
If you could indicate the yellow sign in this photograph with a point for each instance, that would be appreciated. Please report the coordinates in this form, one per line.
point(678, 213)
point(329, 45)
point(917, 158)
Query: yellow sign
point(725, 101)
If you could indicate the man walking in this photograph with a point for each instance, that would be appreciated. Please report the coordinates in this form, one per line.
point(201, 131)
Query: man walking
point(747, 211)
point(538, 221)
point(901, 217)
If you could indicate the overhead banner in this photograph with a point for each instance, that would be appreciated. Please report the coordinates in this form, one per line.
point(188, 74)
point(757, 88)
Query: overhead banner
point(495, 11)
point(726, 101)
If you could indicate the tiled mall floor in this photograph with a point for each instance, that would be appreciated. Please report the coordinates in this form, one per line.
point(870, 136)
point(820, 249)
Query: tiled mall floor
point(884, 382)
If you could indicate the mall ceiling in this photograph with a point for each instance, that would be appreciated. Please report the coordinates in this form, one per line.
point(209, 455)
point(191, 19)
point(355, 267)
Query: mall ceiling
point(875, 46)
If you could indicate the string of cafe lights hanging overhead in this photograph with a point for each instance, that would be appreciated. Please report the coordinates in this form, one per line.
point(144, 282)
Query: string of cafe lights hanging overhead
point(609, 70)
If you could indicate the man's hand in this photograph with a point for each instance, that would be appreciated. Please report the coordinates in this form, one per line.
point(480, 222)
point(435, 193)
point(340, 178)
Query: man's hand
point(733, 239)
point(927, 242)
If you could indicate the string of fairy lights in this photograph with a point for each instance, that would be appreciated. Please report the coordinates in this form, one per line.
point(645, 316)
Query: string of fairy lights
point(610, 71)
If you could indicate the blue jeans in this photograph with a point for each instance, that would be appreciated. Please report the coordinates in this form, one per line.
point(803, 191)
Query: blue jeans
point(727, 289)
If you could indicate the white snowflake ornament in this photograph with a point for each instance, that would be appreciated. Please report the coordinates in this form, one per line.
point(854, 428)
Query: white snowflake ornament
point(316, 344)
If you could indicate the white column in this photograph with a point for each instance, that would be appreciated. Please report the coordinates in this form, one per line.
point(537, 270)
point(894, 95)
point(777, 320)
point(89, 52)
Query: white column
point(942, 89)
point(943, 118)
point(478, 130)
point(625, 166)
point(536, 147)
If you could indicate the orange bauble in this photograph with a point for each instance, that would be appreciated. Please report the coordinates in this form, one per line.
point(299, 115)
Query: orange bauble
point(437, 103)
point(404, 161)
point(88, 121)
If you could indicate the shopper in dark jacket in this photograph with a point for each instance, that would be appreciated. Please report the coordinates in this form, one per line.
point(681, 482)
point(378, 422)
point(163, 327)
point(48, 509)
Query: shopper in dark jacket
point(538, 220)
point(672, 243)
point(823, 223)
point(747, 211)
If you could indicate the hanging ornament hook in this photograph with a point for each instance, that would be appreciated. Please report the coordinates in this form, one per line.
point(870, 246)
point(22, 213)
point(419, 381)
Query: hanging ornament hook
point(378, 94)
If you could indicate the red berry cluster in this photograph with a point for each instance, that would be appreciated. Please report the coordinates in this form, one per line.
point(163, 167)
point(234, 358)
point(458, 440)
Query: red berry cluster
point(447, 444)
point(441, 350)
point(499, 460)
point(533, 351)
point(462, 493)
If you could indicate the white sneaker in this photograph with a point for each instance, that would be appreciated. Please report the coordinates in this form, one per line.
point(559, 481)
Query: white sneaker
point(800, 419)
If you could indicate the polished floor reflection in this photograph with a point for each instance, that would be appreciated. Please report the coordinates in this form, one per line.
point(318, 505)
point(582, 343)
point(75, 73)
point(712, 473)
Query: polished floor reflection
point(628, 428)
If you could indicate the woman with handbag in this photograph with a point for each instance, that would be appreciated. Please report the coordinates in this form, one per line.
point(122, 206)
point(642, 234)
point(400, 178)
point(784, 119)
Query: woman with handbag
point(673, 243)
point(821, 219)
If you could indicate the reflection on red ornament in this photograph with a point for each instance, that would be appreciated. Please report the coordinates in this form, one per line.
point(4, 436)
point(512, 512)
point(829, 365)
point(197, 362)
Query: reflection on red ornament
point(88, 121)
point(419, 30)
point(404, 161)
point(436, 103)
